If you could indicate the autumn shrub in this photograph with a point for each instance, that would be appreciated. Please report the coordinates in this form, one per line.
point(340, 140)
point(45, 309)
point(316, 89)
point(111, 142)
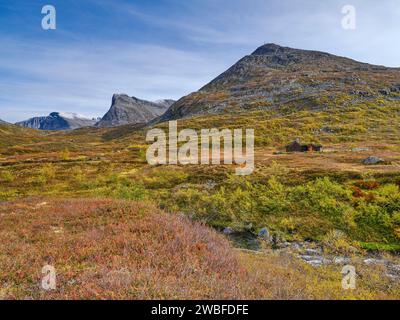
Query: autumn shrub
point(367, 185)
point(374, 223)
point(322, 196)
point(336, 241)
point(320, 205)
point(128, 190)
point(65, 155)
point(7, 176)
point(164, 178)
point(104, 249)
point(107, 249)
point(46, 173)
point(272, 198)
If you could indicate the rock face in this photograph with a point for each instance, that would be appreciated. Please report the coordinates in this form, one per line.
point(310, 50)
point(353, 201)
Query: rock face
point(131, 110)
point(58, 121)
point(274, 76)
point(165, 102)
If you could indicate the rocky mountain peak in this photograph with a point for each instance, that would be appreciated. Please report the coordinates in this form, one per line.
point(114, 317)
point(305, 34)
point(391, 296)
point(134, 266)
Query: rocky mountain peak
point(270, 49)
point(131, 110)
point(274, 76)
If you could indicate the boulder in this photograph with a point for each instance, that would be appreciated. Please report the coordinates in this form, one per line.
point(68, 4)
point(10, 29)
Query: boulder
point(384, 92)
point(228, 231)
point(372, 160)
point(264, 234)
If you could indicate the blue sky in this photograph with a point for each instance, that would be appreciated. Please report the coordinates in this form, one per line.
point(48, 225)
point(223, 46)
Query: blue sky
point(166, 48)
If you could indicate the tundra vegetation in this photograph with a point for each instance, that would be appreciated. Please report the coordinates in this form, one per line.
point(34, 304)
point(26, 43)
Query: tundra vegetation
point(115, 227)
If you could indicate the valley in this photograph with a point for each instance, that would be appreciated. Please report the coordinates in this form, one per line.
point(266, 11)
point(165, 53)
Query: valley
point(116, 223)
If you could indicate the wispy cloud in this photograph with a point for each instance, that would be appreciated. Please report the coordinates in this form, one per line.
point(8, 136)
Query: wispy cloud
point(39, 78)
point(166, 48)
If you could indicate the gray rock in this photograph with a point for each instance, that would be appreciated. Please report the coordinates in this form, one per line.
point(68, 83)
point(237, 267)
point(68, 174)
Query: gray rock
point(130, 110)
point(360, 149)
point(228, 231)
point(264, 234)
point(384, 92)
point(372, 160)
point(396, 268)
point(315, 261)
point(311, 252)
point(341, 260)
point(373, 261)
point(395, 88)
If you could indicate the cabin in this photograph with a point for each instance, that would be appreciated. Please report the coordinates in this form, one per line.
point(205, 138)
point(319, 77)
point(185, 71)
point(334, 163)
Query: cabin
point(296, 146)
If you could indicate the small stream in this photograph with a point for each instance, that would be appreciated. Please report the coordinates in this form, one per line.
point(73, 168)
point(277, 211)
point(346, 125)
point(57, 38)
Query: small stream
point(313, 254)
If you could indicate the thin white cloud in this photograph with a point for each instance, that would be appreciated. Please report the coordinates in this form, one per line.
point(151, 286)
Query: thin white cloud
point(82, 78)
point(207, 36)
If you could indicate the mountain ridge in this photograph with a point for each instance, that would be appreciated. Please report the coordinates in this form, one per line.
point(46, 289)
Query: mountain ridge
point(273, 76)
point(131, 110)
point(57, 121)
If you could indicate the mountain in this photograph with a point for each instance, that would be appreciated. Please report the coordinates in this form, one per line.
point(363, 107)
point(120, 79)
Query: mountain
point(3, 122)
point(131, 110)
point(165, 102)
point(58, 121)
point(274, 76)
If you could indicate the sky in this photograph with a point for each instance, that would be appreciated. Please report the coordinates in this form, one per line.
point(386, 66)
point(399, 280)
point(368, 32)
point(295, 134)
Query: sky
point(167, 48)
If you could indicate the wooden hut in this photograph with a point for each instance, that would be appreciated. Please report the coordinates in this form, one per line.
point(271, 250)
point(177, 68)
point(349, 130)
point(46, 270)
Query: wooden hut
point(296, 146)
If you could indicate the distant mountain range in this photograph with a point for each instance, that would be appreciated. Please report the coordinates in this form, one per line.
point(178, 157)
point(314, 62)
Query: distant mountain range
point(270, 78)
point(3, 122)
point(58, 121)
point(124, 110)
point(131, 110)
point(275, 76)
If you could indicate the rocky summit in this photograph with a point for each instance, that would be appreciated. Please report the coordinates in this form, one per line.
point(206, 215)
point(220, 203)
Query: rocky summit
point(58, 121)
point(131, 110)
point(274, 76)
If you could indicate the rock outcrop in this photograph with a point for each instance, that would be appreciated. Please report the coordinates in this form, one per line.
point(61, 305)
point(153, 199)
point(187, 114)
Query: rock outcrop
point(131, 110)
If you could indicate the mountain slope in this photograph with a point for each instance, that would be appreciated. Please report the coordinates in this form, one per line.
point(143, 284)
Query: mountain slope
point(131, 110)
point(57, 121)
point(274, 76)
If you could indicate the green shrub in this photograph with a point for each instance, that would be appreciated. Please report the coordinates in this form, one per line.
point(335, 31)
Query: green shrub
point(7, 176)
point(46, 174)
point(65, 155)
point(128, 190)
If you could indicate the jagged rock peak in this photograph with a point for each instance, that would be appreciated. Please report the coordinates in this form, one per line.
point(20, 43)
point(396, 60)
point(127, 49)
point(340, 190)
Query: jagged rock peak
point(131, 110)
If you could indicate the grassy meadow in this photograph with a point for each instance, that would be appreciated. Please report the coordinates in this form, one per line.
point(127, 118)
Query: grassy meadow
point(116, 227)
